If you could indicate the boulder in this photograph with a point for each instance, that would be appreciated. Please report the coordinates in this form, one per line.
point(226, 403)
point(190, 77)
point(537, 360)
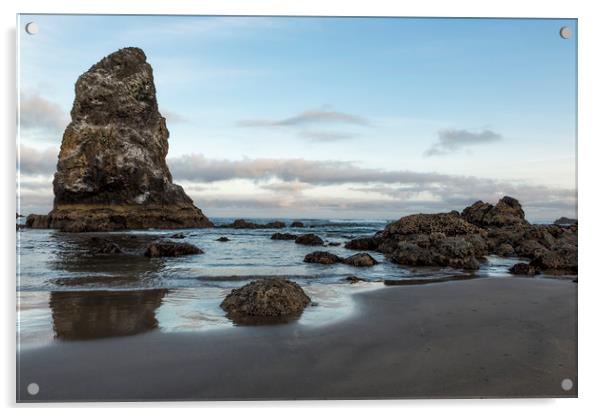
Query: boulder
point(309, 240)
point(171, 249)
point(112, 172)
point(363, 243)
point(283, 236)
point(275, 224)
point(360, 260)
point(322, 257)
point(334, 244)
point(265, 301)
point(562, 258)
point(523, 269)
point(177, 236)
point(505, 250)
point(297, 224)
point(223, 239)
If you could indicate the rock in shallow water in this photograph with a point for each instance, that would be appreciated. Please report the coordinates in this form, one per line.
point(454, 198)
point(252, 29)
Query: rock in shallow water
point(322, 257)
point(171, 249)
point(264, 301)
point(283, 236)
point(111, 172)
point(523, 269)
point(309, 240)
point(360, 260)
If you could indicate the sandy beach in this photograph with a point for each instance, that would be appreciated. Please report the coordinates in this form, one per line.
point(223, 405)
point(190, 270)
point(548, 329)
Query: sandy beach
point(488, 337)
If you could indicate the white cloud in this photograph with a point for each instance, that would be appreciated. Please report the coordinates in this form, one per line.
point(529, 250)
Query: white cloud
point(452, 140)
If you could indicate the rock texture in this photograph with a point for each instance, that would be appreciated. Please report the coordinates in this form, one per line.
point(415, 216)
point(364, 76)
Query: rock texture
point(111, 173)
point(171, 249)
point(265, 301)
point(322, 257)
point(460, 240)
point(283, 236)
point(360, 260)
point(309, 240)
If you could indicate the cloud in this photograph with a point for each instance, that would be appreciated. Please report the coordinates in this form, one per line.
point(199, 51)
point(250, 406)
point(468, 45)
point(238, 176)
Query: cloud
point(36, 112)
point(294, 187)
point(196, 167)
point(302, 124)
point(37, 162)
point(308, 117)
point(452, 140)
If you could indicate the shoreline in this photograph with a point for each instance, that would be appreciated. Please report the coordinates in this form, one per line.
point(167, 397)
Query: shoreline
point(485, 337)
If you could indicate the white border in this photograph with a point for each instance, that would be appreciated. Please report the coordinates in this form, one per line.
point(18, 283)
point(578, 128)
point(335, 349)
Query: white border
point(590, 68)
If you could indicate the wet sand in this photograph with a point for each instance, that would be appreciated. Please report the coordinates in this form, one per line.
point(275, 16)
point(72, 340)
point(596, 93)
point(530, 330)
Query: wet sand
point(490, 337)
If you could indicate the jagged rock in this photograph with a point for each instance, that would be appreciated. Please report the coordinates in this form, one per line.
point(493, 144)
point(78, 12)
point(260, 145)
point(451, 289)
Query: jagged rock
point(223, 239)
point(177, 236)
point(360, 260)
point(309, 240)
point(297, 224)
point(363, 243)
point(265, 301)
point(562, 258)
point(283, 236)
point(565, 221)
point(507, 211)
point(523, 269)
point(171, 249)
point(111, 172)
point(322, 257)
point(433, 240)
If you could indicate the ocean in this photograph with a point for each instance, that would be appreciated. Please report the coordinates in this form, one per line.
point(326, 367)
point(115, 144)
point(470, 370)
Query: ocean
point(65, 292)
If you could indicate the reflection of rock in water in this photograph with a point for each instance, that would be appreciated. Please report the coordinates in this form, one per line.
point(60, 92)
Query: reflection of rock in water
point(99, 314)
point(75, 254)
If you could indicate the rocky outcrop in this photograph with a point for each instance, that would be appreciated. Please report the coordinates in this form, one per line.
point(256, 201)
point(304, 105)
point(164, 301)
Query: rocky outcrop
point(507, 211)
point(111, 171)
point(223, 239)
point(171, 249)
point(244, 224)
point(283, 236)
point(297, 224)
point(265, 301)
point(460, 240)
point(433, 240)
point(360, 260)
point(309, 240)
point(322, 257)
point(565, 221)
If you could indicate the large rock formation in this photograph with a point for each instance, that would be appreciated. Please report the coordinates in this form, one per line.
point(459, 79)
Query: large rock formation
point(111, 173)
point(455, 240)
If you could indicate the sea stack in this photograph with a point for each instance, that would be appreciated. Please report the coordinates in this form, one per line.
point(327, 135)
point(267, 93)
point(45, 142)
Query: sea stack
point(111, 173)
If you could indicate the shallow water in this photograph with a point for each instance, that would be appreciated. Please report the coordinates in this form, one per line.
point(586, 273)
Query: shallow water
point(67, 293)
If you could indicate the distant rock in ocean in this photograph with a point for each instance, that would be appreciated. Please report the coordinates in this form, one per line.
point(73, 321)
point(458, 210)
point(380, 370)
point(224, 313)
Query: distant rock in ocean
point(111, 172)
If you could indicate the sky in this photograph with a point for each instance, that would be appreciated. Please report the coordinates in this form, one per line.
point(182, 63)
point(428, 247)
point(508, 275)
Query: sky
point(301, 117)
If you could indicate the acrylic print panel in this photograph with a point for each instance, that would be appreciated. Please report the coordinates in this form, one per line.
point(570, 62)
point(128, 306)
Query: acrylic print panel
point(296, 208)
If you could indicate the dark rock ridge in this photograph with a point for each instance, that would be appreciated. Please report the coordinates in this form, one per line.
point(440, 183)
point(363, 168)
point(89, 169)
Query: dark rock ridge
point(171, 249)
point(297, 224)
point(460, 240)
point(565, 221)
point(111, 172)
point(270, 300)
point(244, 224)
point(360, 260)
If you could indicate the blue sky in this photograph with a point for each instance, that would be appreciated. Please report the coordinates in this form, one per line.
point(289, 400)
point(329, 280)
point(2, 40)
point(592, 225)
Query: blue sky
point(328, 117)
